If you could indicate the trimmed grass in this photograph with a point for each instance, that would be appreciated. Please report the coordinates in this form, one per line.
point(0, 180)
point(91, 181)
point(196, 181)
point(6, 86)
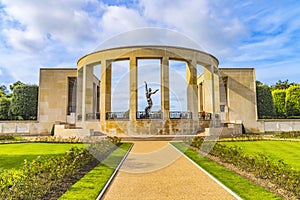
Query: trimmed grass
point(13, 155)
point(92, 183)
point(241, 186)
point(286, 150)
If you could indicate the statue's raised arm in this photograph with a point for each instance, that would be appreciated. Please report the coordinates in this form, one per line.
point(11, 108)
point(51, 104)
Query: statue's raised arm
point(155, 91)
point(146, 86)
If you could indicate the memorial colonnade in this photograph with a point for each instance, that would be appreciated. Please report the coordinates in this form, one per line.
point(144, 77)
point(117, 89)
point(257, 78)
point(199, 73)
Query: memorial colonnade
point(90, 90)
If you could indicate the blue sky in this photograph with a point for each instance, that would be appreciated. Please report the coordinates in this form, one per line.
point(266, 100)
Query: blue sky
point(259, 34)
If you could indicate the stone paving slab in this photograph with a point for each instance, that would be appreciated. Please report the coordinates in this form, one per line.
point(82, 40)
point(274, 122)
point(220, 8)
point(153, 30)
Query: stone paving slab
point(155, 170)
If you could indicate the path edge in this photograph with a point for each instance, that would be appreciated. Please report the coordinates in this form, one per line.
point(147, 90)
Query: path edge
point(209, 175)
point(103, 191)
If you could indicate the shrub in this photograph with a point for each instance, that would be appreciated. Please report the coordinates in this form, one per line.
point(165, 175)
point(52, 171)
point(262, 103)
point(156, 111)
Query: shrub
point(279, 102)
point(25, 101)
point(4, 108)
point(293, 101)
point(7, 137)
point(288, 135)
point(43, 175)
point(37, 178)
point(293, 117)
point(53, 139)
point(115, 140)
point(261, 166)
point(197, 142)
point(265, 105)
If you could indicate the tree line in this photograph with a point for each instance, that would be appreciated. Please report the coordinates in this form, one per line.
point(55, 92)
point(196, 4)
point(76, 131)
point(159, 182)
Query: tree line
point(18, 103)
point(278, 101)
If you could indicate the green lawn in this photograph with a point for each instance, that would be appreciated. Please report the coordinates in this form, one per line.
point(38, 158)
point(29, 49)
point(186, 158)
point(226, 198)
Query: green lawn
point(241, 186)
point(92, 183)
point(286, 150)
point(13, 155)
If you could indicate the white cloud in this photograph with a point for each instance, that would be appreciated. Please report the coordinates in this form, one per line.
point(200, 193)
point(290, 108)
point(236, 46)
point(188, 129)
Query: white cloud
point(198, 20)
point(26, 41)
point(37, 33)
point(17, 66)
point(119, 19)
point(34, 22)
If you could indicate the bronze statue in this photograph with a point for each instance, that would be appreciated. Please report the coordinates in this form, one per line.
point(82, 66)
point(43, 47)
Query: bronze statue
point(149, 100)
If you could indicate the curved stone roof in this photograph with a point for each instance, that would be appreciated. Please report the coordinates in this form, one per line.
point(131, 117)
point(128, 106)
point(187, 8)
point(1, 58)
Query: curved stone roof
point(149, 37)
point(148, 43)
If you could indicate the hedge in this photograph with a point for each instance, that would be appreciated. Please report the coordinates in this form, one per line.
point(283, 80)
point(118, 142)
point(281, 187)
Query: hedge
point(265, 103)
point(279, 102)
point(4, 108)
point(25, 101)
point(293, 101)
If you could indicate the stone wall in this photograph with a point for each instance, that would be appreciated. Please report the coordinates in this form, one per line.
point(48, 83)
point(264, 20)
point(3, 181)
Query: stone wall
point(147, 127)
point(53, 94)
point(279, 125)
point(64, 132)
point(241, 97)
point(226, 130)
point(22, 127)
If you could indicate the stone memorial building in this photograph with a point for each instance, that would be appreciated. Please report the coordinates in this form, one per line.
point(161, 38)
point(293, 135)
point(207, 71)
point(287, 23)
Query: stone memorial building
point(79, 100)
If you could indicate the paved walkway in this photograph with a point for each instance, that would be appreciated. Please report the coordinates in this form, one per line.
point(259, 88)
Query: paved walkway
point(155, 170)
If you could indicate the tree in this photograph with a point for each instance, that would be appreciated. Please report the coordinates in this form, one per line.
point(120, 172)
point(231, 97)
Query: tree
point(282, 85)
point(265, 105)
point(11, 87)
point(25, 101)
point(279, 96)
point(293, 101)
point(4, 108)
point(3, 90)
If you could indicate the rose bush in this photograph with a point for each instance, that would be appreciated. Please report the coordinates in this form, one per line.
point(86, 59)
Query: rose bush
point(45, 174)
point(261, 165)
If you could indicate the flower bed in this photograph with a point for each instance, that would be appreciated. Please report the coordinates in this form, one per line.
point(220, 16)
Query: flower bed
point(260, 165)
point(37, 179)
point(295, 135)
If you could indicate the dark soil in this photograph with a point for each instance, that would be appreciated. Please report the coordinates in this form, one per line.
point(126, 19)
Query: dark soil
point(67, 182)
point(265, 183)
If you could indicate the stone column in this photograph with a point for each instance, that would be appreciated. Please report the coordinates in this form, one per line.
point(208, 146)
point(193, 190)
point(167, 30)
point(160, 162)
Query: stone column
point(105, 91)
point(89, 92)
point(212, 70)
point(165, 85)
point(83, 93)
point(79, 93)
point(192, 92)
point(133, 84)
point(200, 97)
